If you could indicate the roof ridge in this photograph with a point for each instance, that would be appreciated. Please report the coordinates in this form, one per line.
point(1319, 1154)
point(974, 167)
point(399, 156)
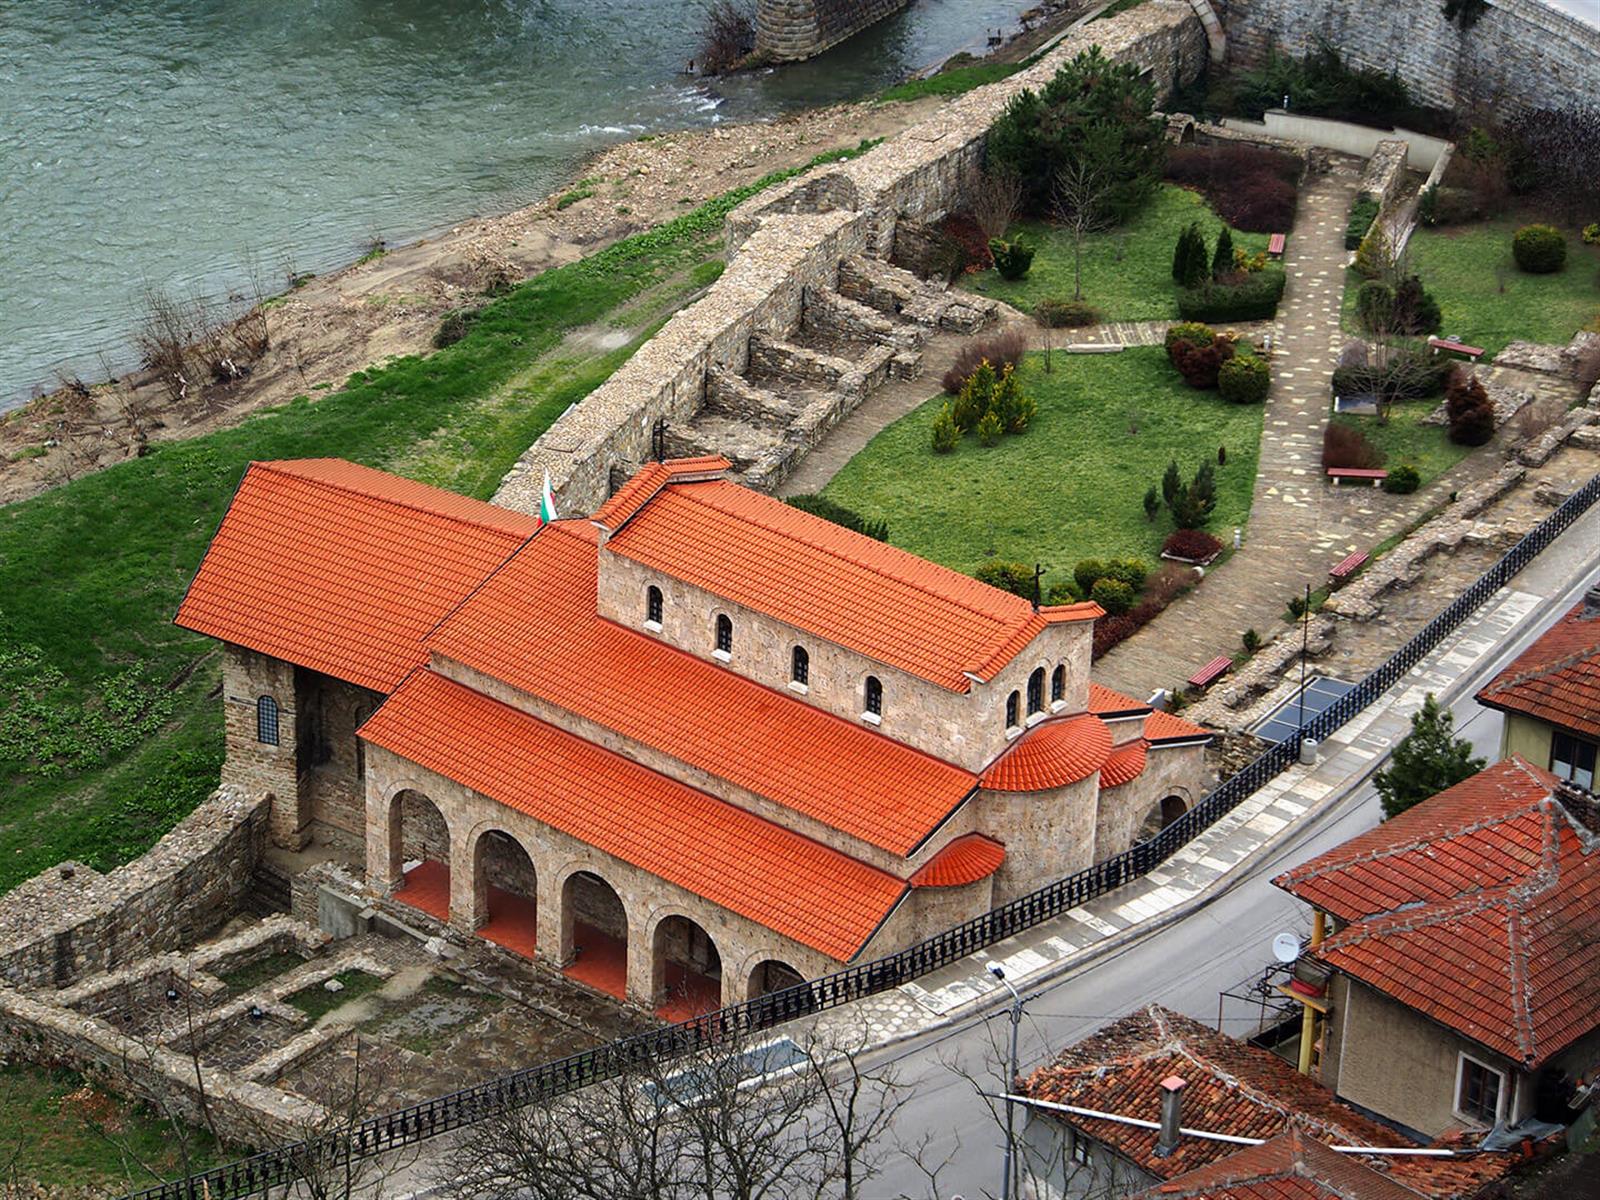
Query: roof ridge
point(1311, 870)
point(1559, 664)
point(275, 467)
point(1521, 987)
point(1253, 1093)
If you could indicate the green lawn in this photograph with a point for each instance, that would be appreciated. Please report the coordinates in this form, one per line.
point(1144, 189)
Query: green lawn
point(1127, 271)
point(109, 733)
point(952, 81)
point(1072, 486)
point(1406, 440)
point(1488, 302)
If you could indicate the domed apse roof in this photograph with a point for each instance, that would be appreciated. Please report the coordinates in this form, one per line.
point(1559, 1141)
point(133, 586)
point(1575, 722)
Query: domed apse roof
point(1052, 754)
point(965, 860)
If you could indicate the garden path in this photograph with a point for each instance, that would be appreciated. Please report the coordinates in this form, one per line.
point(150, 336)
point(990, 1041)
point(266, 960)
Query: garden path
point(1299, 525)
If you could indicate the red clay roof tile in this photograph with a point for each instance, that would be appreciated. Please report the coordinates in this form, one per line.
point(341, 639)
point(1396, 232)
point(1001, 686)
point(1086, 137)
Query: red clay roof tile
point(816, 576)
point(343, 569)
point(1557, 679)
point(967, 859)
point(1125, 764)
point(788, 883)
point(650, 479)
point(1104, 702)
point(1160, 727)
point(1291, 1166)
point(1052, 754)
point(534, 625)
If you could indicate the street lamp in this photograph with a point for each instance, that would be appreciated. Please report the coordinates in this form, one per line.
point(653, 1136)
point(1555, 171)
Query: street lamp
point(1011, 1079)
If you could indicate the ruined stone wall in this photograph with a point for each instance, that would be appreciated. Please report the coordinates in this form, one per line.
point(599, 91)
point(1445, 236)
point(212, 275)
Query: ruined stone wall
point(1519, 54)
point(791, 30)
point(795, 235)
point(72, 920)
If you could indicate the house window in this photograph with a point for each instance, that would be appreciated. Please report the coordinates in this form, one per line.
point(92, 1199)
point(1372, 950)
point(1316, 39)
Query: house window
point(1013, 710)
point(800, 665)
point(1036, 692)
point(652, 604)
point(267, 721)
point(1572, 759)
point(874, 696)
point(1478, 1091)
point(1080, 1150)
point(1058, 684)
point(724, 633)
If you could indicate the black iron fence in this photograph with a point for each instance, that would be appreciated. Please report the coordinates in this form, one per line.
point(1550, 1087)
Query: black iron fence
point(377, 1135)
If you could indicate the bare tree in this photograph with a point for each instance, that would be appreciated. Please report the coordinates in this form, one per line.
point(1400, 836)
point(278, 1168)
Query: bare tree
point(1078, 201)
point(996, 201)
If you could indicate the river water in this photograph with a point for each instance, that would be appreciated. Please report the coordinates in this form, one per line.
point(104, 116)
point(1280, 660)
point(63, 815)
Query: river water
point(190, 145)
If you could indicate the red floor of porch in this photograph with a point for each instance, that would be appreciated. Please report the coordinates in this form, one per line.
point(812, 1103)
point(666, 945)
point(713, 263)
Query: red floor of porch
point(601, 962)
point(513, 922)
point(689, 994)
point(427, 887)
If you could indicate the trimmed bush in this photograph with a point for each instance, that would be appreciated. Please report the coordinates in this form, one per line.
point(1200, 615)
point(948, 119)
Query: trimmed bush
point(1222, 259)
point(1064, 314)
point(1000, 351)
point(1251, 187)
point(1194, 544)
point(1469, 409)
point(1013, 577)
point(820, 506)
point(1403, 480)
point(946, 433)
point(1087, 573)
point(1063, 592)
point(1112, 595)
point(1539, 249)
point(1191, 261)
point(1362, 214)
point(1374, 256)
point(1129, 571)
point(1012, 259)
point(1199, 365)
point(1192, 333)
point(1253, 298)
point(1344, 445)
point(1375, 304)
point(1244, 379)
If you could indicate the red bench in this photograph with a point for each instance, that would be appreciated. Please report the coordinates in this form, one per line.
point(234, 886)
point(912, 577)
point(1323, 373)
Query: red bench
point(1342, 573)
point(1211, 672)
point(1339, 474)
point(1451, 346)
point(1276, 243)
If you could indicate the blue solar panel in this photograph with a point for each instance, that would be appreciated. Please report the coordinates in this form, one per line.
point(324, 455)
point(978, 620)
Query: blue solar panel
point(1321, 692)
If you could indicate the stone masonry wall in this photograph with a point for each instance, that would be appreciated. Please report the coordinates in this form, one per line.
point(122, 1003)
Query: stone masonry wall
point(1520, 53)
point(795, 235)
point(790, 30)
point(72, 920)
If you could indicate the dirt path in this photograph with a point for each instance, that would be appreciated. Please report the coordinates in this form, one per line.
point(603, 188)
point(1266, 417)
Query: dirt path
point(391, 303)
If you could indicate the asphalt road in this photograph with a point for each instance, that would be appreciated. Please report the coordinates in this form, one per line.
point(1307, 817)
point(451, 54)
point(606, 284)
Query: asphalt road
point(1183, 966)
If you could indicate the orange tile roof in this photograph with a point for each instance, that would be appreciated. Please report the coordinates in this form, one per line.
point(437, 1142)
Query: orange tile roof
point(1465, 909)
point(533, 625)
point(1291, 1166)
point(1125, 764)
point(816, 576)
point(1104, 702)
point(650, 479)
point(1052, 754)
point(790, 884)
point(1161, 727)
point(1557, 679)
point(967, 859)
point(343, 569)
point(1230, 1087)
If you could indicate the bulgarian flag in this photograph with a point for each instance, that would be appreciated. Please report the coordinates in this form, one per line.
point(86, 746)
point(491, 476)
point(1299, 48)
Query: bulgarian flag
point(547, 504)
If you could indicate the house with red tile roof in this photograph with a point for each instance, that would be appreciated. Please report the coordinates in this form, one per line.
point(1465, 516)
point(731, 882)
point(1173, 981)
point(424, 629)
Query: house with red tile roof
point(1454, 974)
point(1550, 696)
point(694, 748)
point(1159, 1104)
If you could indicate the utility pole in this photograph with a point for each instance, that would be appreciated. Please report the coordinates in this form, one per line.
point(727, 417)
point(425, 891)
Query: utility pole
point(1011, 1080)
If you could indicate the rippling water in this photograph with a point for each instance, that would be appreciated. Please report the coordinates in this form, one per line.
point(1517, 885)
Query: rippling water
point(183, 144)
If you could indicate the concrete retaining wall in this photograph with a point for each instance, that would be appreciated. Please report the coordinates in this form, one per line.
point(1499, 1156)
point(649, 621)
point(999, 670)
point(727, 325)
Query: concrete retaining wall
point(1343, 136)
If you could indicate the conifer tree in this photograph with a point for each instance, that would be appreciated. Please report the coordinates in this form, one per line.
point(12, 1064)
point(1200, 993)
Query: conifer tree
point(1222, 260)
point(1428, 760)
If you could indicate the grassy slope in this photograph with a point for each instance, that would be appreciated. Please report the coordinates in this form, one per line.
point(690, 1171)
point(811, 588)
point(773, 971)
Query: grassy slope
point(1127, 271)
point(1467, 266)
point(1072, 486)
point(952, 82)
point(107, 733)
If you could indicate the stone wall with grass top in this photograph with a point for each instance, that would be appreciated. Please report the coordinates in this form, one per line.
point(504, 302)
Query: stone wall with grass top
point(795, 235)
point(791, 30)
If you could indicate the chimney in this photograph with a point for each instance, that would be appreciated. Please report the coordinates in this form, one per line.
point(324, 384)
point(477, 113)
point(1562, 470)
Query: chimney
point(1171, 1103)
point(1591, 604)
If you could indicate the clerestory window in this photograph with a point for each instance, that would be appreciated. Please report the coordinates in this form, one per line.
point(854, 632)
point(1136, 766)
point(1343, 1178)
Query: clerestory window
point(724, 633)
point(652, 604)
point(267, 721)
point(873, 697)
point(800, 665)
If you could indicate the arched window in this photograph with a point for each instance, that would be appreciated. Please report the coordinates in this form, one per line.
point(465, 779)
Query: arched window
point(1036, 691)
point(1013, 704)
point(874, 696)
point(1058, 684)
point(800, 665)
point(724, 633)
point(267, 721)
point(652, 604)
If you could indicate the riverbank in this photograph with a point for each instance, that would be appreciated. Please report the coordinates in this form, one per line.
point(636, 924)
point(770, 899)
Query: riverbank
point(391, 302)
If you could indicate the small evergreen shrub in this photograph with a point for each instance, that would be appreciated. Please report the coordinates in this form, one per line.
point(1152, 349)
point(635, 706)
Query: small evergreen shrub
point(1591, 234)
point(1374, 256)
point(1012, 259)
point(1254, 298)
point(1065, 314)
point(1362, 214)
point(1199, 365)
point(1375, 304)
point(1194, 544)
point(1427, 206)
point(1193, 333)
point(989, 429)
point(1129, 571)
point(1191, 260)
point(1013, 577)
point(1343, 445)
point(945, 432)
point(1087, 573)
point(1222, 259)
point(1539, 249)
point(1112, 595)
point(1250, 640)
point(1062, 592)
point(1469, 410)
point(1244, 379)
point(1152, 503)
point(976, 397)
point(1403, 480)
point(821, 506)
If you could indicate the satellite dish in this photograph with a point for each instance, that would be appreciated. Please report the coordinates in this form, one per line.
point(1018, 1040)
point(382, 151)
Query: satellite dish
point(1286, 947)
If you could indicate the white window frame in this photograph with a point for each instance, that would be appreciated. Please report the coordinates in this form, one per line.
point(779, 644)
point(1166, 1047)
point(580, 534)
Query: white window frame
point(1502, 1096)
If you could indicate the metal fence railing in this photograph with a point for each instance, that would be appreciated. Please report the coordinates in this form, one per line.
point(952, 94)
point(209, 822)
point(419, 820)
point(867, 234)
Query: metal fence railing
point(377, 1135)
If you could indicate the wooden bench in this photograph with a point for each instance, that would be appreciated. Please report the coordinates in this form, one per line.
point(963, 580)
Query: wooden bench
point(1211, 672)
point(1452, 346)
point(1276, 243)
point(1342, 573)
point(1340, 474)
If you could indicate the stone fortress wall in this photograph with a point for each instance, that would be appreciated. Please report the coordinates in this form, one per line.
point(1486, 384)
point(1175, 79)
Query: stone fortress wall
point(1520, 53)
point(828, 231)
point(790, 30)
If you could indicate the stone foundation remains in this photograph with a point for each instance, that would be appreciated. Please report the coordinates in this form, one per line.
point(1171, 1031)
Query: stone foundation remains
point(791, 30)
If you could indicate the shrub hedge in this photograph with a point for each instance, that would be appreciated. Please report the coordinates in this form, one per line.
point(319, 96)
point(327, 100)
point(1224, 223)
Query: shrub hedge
point(1244, 379)
point(1362, 214)
point(1194, 544)
point(1403, 480)
point(1539, 249)
point(1064, 314)
point(1253, 298)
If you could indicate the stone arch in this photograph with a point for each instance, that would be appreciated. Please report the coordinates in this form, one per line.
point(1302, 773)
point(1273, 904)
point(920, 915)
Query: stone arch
point(594, 932)
point(772, 975)
point(1162, 813)
point(505, 890)
point(419, 851)
point(685, 967)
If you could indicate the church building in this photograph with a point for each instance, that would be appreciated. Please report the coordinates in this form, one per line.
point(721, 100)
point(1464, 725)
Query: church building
point(688, 750)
